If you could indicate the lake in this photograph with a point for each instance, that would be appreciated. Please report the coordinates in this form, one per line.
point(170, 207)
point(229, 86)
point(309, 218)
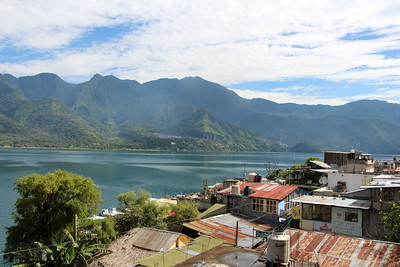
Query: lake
point(117, 172)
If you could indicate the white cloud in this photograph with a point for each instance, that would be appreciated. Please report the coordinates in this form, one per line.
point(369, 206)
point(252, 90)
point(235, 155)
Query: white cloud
point(286, 96)
point(224, 41)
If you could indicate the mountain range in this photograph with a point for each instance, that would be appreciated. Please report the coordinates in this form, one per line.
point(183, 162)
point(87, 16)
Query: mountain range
point(189, 114)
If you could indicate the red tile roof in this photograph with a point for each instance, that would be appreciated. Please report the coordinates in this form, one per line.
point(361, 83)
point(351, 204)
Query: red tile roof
point(274, 191)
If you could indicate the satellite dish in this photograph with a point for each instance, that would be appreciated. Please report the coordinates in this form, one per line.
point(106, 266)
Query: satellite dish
point(309, 182)
point(323, 180)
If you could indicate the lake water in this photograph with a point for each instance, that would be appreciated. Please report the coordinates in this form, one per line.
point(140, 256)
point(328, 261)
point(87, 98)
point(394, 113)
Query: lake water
point(117, 172)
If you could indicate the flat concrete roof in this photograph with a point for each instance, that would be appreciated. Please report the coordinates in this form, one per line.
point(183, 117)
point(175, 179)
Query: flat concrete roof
point(334, 201)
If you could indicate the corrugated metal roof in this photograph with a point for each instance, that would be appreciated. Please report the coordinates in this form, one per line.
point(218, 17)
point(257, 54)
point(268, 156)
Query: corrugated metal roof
point(337, 250)
point(274, 191)
point(321, 164)
point(388, 183)
point(175, 256)
point(334, 201)
point(224, 227)
point(153, 239)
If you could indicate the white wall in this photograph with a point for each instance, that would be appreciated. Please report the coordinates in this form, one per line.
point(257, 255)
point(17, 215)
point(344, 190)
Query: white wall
point(353, 180)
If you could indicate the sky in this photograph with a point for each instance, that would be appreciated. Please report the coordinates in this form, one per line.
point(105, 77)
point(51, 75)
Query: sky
point(306, 52)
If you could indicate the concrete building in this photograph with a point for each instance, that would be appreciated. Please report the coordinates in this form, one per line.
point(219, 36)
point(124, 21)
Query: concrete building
point(342, 181)
point(332, 214)
point(354, 162)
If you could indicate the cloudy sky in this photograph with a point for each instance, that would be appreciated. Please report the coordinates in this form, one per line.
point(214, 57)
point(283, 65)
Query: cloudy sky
point(308, 52)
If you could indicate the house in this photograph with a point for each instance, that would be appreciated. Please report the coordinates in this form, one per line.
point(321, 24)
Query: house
point(307, 248)
point(315, 172)
point(140, 243)
point(327, 249)
point(387, 166)
point(380, 191)
point(342, 181)
point(354, 162)
point(226, 227)
point(332, 214)
point(268, 201)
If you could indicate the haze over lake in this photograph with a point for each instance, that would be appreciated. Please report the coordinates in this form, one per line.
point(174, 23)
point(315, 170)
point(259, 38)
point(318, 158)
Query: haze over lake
point(117, 172)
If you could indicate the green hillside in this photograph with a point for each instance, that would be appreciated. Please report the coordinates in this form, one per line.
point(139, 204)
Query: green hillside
point(124, 114)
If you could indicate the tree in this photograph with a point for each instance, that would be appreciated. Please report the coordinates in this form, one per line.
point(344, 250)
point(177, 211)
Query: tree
point(138, 210)
point(183, 212)
point(278, 174)
point(391, 221)
point(48, 205)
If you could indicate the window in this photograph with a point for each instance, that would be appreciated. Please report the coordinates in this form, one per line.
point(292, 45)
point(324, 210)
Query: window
point(351, 217)
point(270, 206)
point(258, 204)
point(387, 195)
point(307, 211)
point(316, 212)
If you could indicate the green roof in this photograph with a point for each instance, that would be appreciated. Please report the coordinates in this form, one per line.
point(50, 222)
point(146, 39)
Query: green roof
point(175, 256)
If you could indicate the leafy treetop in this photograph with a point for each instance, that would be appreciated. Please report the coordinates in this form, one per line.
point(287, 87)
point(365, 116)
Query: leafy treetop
point(48, 205)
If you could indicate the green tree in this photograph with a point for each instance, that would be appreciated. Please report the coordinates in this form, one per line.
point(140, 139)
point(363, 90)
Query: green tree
point(138, 210)
point(183, 212)
point(97, 231)
point(391, 221)
point(278, 174)
point(48, 205)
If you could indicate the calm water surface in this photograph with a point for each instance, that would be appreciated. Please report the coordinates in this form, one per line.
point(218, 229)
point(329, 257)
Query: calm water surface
point(119, 172)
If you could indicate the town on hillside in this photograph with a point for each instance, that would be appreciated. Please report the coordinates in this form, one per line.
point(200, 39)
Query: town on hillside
point(320, 213)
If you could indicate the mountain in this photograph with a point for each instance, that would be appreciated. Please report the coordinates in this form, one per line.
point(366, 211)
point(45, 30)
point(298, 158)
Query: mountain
point(116, 111)
point(205, 125)
point(45, 123)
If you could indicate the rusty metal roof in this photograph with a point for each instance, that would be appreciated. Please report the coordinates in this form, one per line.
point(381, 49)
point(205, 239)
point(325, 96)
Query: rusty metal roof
point(338, 250)
point(254, 187)
point(274, 191)
point(224, 228)
point(264, 190)
point(334, 201)
point(153, 239)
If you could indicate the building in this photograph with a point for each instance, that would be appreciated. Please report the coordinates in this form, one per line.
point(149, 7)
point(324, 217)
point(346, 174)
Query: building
point(354, 162)
point(227, 227)
point(316, 172)
point(267, 201)
point(332, 214)
point(387, 166)
point(307, 248)
point(342, 182)
point(140, 243)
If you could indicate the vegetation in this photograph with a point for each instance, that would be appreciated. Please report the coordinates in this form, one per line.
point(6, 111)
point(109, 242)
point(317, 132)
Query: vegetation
point(53, 206)
point(306, 163)
point(138, 210)
point(45, 111)
point(47, 206)
point(182, 213)
point(391, 221)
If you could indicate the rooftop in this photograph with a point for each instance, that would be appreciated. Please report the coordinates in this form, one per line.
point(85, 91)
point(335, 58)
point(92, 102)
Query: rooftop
point(274, 191)
point(334, 201)
point(224, 228)
point(337, 250)
point(380, 183)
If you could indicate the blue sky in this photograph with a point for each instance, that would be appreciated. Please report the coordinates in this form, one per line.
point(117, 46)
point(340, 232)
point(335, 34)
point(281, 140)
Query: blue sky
point(306, 52)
